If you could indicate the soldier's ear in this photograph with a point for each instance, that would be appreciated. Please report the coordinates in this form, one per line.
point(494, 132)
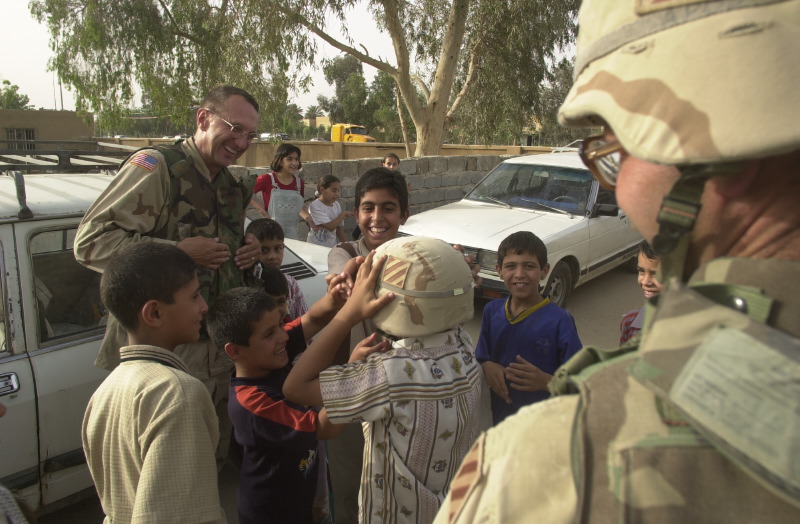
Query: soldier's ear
point(203, 119)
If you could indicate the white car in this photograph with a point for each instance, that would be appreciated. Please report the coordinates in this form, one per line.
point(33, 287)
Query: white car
point(552, 195)
point(51, 326)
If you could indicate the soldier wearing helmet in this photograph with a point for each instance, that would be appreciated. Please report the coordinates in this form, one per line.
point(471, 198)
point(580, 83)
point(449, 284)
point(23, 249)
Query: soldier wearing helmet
point(698, 423)
point(418, 401)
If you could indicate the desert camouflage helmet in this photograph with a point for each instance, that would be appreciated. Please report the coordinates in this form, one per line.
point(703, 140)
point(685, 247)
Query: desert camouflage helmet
point(689, 81)
point(433, 284)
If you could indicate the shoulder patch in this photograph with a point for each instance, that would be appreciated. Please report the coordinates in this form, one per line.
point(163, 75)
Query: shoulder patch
point(144, 161)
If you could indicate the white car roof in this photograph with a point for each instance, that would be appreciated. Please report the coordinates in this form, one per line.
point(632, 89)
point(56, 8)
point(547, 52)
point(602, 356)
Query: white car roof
point(564, 159)
point(55, 194)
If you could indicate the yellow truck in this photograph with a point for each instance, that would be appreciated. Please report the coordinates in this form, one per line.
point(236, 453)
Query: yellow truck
point(350, 133)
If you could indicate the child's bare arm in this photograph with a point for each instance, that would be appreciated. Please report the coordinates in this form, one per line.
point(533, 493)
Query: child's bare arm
point(302, 384)
point(325, 428)
point(524, 376)
point(495, 377)
point(322, 311)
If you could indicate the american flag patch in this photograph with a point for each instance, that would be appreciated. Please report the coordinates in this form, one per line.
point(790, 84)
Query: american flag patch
point(395, 272)
point(144, 161)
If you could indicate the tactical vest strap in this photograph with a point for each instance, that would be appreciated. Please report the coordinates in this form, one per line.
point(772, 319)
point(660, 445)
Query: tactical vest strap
point(561, 383)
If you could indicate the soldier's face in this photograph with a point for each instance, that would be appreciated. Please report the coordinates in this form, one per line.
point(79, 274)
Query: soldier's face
point(214, 140)
point(641, 188)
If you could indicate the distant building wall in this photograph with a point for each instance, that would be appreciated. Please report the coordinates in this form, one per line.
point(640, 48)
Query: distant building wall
point(434, 181)
point(33, 124)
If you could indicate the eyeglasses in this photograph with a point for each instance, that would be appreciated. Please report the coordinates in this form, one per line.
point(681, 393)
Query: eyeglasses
point(237, 131)
point(603, 158)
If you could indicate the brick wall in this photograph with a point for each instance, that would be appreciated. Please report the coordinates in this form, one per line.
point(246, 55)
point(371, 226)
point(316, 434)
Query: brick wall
point(434, 181)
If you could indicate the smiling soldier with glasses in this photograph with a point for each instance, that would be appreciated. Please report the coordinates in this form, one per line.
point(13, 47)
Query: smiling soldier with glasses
point(237, 131)
point(184, 194)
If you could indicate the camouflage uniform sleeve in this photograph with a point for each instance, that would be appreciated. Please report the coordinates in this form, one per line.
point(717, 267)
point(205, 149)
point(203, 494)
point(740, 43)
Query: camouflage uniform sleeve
point(127, 211)
point(519, 471)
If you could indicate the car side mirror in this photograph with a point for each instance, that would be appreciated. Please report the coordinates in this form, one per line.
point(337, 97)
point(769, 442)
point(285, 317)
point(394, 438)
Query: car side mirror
point(605, 210)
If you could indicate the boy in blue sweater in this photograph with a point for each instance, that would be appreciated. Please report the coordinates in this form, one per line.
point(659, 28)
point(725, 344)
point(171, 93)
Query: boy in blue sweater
point(524, 338)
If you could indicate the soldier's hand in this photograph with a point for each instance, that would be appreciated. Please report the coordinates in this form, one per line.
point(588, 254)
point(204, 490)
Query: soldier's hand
point(247, 255)
point(524, 376)
point(208, 253)
point(495, 377)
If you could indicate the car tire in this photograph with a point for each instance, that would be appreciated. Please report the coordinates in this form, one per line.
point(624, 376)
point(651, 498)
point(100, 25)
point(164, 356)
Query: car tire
point(559, 285)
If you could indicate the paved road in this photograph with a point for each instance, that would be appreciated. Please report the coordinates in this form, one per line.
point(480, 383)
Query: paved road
point(597, 307)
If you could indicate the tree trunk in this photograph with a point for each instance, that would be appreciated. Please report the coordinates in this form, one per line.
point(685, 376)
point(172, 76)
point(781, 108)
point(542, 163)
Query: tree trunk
point(430, 132)
point(403, 127)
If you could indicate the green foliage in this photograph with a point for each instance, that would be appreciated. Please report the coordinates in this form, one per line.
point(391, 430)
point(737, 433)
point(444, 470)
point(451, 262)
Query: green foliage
point(174, 51)
point(473, 65)
point(10, 98)
point(552, 96)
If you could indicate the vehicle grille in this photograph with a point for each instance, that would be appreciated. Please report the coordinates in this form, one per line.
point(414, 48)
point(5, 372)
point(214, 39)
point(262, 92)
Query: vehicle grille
point(298, 270)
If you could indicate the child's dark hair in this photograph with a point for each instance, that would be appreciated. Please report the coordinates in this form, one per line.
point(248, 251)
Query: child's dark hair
point(325, 182)
point(647, 250)
point(390, 155)
point(233, 314)
point(383, 178)
point(522, 242)
point(265, 229)
point(141, 272)
point(274, 281)
point(282, 152)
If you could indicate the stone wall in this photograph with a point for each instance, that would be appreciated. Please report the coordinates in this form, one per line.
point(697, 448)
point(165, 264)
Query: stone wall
point(434, 181)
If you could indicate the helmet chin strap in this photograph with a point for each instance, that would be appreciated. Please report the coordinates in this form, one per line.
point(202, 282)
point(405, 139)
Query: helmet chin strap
point(679, 212)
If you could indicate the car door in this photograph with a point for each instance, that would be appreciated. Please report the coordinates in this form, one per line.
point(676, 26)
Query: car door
point(19, 467)
point(64, 323)
point(612, 238)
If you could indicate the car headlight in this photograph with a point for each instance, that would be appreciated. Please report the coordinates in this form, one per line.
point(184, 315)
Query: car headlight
point(487, 259)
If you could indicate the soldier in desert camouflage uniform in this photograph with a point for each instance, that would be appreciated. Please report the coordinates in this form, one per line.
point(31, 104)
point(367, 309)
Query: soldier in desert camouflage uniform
point(184, 194)
point(700, 423)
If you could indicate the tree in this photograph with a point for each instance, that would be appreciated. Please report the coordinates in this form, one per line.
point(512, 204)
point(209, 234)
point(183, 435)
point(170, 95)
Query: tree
point(173, 50)
point(553, 95)
point(10, 98)
point(491, 54)
point(312, 113)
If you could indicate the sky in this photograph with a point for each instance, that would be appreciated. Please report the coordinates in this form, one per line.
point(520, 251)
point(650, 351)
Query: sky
point(26, 52)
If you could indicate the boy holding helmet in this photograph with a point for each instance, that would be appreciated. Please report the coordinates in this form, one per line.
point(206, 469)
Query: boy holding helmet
point(418, 400)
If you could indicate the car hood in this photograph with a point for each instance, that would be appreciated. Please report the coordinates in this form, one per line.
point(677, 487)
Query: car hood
point(482, 225)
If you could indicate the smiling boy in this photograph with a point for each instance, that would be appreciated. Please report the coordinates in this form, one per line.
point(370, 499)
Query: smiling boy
point(150, 430)
point(278, 477)
point(381, 207)
point(524, 338)
point(646, 266)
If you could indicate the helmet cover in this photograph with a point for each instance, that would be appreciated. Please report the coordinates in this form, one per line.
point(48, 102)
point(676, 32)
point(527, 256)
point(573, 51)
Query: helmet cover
point(432, 283)
point(689, 81)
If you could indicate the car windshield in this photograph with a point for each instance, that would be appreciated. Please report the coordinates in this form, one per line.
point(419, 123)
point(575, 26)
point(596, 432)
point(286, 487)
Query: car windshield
point(544, 188)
